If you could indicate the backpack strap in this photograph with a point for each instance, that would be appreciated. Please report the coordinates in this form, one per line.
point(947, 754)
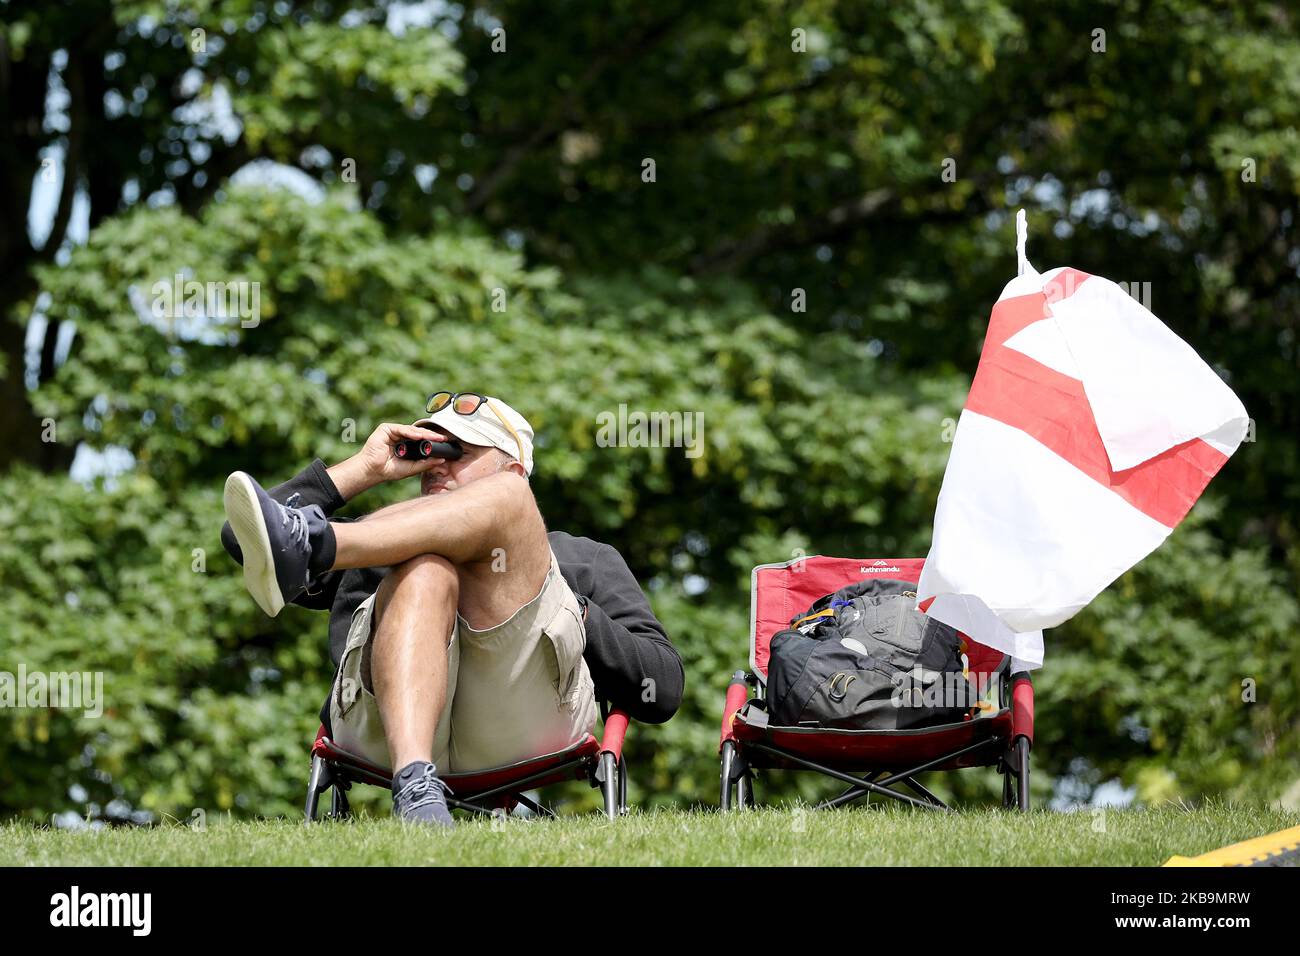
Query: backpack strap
point(801, 621)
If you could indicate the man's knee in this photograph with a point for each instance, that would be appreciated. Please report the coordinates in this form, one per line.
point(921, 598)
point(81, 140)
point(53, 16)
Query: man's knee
point(424, 578)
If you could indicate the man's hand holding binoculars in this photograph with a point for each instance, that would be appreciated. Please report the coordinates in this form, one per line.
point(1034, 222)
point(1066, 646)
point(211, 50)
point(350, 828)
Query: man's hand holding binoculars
point(380, 460)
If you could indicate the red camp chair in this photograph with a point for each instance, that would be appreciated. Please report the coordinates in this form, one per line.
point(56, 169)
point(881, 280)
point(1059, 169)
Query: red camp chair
point(887, 758)
point(598, 761)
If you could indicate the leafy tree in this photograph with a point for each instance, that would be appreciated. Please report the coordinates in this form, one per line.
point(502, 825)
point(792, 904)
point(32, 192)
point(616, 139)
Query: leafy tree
point(798, 268)
point(810, 443)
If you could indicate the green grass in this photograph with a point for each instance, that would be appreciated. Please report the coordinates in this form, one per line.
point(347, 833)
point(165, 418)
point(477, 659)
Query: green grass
point(860, 836)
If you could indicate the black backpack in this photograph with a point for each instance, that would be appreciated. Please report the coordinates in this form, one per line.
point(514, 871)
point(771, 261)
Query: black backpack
point(864, 658)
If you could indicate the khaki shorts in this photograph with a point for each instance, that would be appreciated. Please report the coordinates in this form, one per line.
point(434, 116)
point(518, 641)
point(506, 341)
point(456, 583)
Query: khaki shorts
point(514, 691)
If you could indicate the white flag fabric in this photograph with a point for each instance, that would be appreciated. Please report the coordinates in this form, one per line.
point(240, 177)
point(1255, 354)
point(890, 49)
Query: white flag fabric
point(1089, 432)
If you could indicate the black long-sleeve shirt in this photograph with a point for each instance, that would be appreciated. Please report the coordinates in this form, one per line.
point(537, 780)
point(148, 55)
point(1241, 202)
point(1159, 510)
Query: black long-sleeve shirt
point(632, 662)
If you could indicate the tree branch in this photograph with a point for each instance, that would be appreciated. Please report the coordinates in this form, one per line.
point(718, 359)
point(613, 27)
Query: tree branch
point(74, 79)
point(561, 116)
point(693, 121)
point(732, 255)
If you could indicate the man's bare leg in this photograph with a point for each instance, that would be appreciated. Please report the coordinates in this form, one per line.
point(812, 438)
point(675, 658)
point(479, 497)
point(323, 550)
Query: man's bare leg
point(417, 602)
point(415, 612)
point(490, 531)
point(462, 525)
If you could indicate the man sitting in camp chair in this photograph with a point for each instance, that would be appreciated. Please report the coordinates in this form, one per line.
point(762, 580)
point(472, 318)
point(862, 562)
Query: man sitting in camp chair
point(465, 635)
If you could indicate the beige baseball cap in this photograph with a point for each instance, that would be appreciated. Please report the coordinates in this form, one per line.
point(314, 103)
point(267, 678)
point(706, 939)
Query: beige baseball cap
point(493, 423)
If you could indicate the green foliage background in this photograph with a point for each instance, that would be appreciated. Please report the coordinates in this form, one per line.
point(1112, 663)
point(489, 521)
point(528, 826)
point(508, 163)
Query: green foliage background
point(824, 429)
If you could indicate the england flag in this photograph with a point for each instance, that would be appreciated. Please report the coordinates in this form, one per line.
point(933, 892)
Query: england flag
point(1089, 432)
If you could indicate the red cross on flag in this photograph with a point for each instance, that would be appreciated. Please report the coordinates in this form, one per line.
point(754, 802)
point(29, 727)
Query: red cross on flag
point(1089, 432)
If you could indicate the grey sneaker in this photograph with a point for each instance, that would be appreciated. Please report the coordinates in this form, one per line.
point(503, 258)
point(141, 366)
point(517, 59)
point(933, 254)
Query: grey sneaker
point(275, 541)
point(420, 797)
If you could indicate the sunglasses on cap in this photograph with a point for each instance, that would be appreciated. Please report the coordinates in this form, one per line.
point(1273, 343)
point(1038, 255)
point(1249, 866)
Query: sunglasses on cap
point(467, 403)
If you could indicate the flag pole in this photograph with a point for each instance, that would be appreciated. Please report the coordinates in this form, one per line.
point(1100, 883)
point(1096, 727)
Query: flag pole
point(1022, 233)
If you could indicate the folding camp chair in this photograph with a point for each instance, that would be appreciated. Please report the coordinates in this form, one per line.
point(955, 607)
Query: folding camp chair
point(600, 762)
point(887, 759)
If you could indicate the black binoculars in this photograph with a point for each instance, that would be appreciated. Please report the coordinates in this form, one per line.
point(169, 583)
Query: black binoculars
point(418, 449)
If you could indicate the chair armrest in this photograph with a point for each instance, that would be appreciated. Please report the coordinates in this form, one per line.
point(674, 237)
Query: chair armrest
point(737, 694)
point(1022, 706)
point(611, 740)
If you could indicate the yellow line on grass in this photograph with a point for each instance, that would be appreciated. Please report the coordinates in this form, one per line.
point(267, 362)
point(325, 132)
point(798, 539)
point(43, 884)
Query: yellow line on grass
point(1275, 849)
